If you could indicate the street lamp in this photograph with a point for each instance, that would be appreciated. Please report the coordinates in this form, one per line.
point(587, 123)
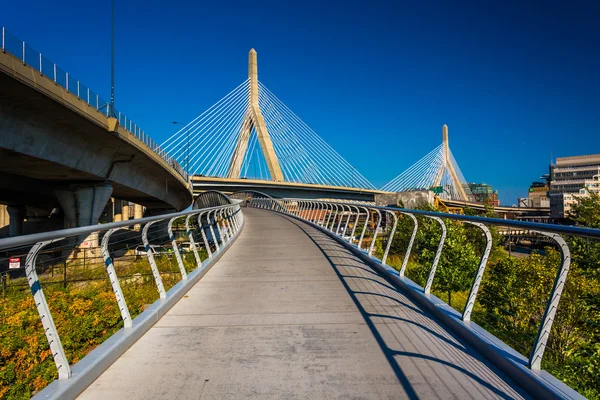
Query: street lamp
point(187, 156)
point(112, 61)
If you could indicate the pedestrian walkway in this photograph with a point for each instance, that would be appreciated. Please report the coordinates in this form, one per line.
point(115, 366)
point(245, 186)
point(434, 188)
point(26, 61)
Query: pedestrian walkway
point(288, 313)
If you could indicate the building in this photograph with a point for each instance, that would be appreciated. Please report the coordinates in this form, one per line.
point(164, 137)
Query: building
point(484, 193)
point(537, 195)
point(593, 185)
point(561, 204)
point(569, 174)
point(570, 179)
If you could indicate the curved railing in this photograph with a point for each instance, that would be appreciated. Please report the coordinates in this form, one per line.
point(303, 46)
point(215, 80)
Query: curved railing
point(211, 198)
point(75, 299)
point(494, 298)
point(19, 49)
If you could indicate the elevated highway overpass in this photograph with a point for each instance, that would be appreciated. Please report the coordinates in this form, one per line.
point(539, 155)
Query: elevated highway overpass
point(59, 148)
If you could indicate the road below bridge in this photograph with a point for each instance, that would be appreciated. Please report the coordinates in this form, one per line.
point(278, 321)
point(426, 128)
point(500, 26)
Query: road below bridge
point(288, 313)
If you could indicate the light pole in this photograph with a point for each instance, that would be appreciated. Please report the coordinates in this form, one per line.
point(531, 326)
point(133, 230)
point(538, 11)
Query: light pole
point(112, 61)
point(187, 151)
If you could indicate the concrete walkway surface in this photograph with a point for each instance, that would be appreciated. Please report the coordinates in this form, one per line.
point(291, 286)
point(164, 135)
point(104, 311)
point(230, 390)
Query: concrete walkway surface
point(288, 313)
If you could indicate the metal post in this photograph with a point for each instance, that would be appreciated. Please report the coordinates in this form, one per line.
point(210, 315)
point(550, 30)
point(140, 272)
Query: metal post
point(192, 241)
point(225, 225)
point(23, 53)
point(217, 223)
point(391, 237)
point(204, 234)
point(176, 249)
point(337, 231)
point(479, 276)
point(315, 214)
point(155, 272)
point(364, 229)
point(3, 39)
point(56, 348)
point(227, 222)
point(355, 223)
point(67, 81)
point(234, 219)
point(375, 233)
point(438, 254)
point(410, 244)
point(41, 72)
point(78, 90)
point(114, 280)
point(322, 214)
point(88, 95)
point(539, 346)
point(54, 73)
point(334, 218)
point(345, 231)
point(212, 231)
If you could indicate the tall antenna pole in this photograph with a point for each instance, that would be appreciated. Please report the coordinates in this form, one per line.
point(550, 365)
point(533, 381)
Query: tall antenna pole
point(112, 61)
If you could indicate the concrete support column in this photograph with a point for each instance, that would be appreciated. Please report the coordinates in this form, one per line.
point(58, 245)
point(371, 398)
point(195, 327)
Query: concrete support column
point(4, 217)
point(117, 206)
point(83, 205)
point(108, 212)
point(138, 211)
point(17, 215)
point(125, 211)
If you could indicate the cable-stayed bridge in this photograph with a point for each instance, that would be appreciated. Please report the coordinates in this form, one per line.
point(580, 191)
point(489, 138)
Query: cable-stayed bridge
point(251, 139)
point(438, 169)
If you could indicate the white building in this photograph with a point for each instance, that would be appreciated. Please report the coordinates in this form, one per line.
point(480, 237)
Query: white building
point(572, 178)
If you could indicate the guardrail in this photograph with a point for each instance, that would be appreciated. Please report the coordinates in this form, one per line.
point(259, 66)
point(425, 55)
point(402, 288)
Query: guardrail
point(19, 49)
point(66, 292)
point(516, 299)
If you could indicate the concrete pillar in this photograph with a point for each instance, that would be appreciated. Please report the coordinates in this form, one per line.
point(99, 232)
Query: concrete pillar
point(125, 211)
point(17, 215)
point(83, 204)
point(117, 206)
point(138, 211)
point(108, 212)
point(4, 217)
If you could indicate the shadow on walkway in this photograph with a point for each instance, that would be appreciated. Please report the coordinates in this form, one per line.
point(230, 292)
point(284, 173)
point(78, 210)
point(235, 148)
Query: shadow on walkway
point(428, 361)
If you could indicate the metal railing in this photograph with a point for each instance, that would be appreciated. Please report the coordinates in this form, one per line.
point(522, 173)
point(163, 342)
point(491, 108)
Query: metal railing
point(73, 289)
point(28, 56)
point(375, 230)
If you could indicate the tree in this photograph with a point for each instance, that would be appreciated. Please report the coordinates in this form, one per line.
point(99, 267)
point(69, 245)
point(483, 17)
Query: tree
point(586, 212)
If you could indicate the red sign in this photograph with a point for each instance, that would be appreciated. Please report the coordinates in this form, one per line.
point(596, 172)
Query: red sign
point(14, 263)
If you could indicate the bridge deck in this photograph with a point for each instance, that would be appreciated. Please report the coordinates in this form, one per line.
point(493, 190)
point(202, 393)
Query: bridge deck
point(288, 313)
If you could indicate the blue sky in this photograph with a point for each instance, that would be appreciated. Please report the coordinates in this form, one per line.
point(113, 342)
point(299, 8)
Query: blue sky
point(514, 81)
